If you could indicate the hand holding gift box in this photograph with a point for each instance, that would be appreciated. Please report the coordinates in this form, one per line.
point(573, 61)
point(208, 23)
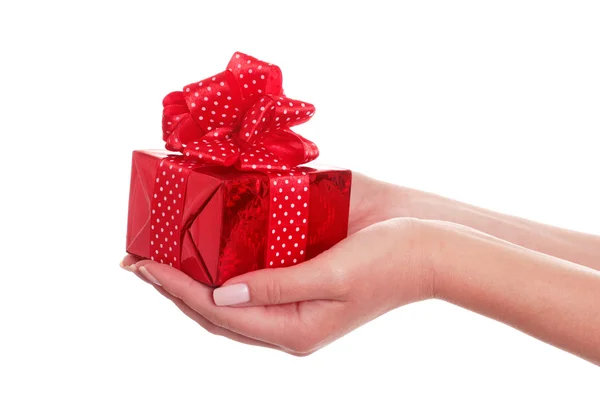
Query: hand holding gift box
point(232, 199)
point(239, 215)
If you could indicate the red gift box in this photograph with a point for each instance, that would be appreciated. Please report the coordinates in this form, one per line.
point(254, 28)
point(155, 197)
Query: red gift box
point(227, 227)
point(235, 197)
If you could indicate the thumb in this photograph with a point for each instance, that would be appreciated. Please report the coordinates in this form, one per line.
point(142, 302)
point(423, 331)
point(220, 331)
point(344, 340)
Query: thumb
point(314, 279)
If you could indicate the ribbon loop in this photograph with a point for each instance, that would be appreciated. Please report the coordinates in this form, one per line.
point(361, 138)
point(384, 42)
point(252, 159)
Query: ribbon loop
point(215, 102)
point(255, 76)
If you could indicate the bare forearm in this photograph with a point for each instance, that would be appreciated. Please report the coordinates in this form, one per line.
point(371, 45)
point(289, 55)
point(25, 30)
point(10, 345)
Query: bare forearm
point(580, 248)
point(551, 299)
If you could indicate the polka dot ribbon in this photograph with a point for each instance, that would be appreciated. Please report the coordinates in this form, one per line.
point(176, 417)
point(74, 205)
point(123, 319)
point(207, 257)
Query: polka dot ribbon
point(245, 107)
point(288, 223)
point(240, 118)
point(166, 220)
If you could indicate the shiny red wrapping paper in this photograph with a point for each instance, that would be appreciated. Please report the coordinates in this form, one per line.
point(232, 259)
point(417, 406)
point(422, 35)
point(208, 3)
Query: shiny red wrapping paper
point(226, 218)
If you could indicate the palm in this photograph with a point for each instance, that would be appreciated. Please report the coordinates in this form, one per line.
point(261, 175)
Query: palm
point(365, 200)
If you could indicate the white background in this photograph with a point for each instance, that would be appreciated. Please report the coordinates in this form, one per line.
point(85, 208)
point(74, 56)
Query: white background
point(493, 103)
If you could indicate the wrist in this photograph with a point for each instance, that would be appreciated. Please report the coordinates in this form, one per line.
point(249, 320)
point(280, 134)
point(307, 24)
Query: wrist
point(417, 267)
point(440, 256)
point(460, 258)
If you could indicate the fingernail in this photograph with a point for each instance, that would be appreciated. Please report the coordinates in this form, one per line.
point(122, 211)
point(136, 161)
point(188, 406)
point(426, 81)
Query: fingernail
point(130, 268)
point(149, 276)
point(231, 294)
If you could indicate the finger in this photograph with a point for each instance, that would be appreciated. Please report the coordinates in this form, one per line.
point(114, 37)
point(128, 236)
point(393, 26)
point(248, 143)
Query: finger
point(315, 279)
point(254, 322)
point(128, 262)
point(211, 328)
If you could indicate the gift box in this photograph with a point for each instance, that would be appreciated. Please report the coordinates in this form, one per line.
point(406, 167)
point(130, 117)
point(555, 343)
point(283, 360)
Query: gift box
point(232, 192)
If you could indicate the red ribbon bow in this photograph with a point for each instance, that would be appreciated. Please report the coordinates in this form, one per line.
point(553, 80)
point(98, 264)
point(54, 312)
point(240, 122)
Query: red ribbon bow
point(239, 116)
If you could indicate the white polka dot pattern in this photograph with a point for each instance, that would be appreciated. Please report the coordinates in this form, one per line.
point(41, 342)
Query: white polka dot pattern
point(288, 222)
point(167, 209)
point(226, 119)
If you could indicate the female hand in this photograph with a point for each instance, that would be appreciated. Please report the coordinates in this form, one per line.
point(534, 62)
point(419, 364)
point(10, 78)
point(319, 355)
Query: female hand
point(302, 308)
point(386, 264)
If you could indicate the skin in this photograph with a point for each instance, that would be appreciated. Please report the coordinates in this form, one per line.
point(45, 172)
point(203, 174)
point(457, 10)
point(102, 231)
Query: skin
point(406, 246)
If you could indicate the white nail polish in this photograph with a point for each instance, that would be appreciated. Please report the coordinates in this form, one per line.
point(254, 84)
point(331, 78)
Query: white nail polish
point(130, 268)
point(231, 294)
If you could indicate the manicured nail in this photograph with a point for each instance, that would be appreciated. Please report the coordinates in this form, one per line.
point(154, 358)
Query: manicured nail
point(231, 294)
point(130, 268)
point(149, 276)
